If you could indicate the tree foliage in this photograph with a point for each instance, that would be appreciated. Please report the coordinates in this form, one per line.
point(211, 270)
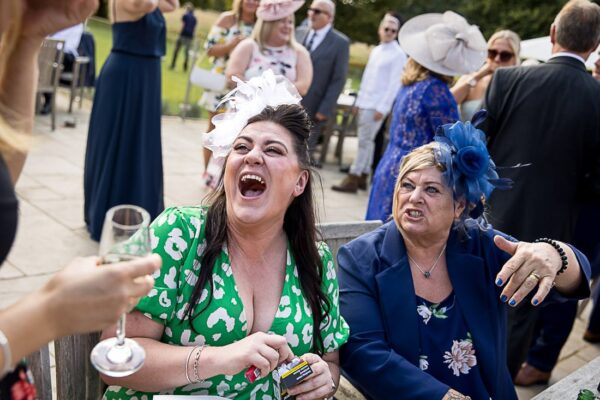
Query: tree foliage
point(529, 18)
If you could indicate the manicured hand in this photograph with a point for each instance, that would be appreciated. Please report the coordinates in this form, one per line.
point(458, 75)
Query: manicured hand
point(319, 384)
point(527, 259)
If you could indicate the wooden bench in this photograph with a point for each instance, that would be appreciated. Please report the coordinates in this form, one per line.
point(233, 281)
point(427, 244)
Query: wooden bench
point(586, 377)
point(76, 378)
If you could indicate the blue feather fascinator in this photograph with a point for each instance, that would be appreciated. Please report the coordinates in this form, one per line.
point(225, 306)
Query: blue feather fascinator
point(470, 171)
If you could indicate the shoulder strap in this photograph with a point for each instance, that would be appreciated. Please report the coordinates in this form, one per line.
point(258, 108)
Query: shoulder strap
point(114, 10)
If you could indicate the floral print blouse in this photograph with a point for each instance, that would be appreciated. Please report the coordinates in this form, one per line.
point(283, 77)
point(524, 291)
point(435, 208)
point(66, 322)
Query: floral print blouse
point(178, 236)
point(447, 351)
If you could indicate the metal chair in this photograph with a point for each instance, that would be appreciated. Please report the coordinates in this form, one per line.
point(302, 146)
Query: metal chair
point(76, 80)
point(50, 65)
point(347, 126)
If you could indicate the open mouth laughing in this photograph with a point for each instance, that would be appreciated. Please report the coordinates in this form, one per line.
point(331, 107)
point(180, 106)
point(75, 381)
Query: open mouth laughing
point(251, 185)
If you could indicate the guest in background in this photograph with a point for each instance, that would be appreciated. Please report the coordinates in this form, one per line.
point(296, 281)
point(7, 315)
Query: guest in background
point(272, 46)
point(424, 101)
point(592, 333)
point(503, 51)
point(228, 31)
point(561, 144)
point(329, 53)
point(72, 38)
point(186, 36)
point(123, 160)
point(82, 297)
point(378, 88)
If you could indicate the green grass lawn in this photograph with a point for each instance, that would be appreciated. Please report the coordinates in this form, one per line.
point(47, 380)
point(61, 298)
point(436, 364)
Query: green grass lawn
point(174, 82)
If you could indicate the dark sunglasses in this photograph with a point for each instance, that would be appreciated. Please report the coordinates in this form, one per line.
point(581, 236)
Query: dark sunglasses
point(316, 11)
point(390, 30)
point(504, 55)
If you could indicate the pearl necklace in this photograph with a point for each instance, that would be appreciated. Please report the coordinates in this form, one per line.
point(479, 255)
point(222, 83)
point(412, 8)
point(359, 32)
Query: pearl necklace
point(427, 274)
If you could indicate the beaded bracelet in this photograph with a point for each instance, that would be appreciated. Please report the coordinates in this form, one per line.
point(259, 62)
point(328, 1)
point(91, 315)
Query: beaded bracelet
point(196, 362)
point(559, 249)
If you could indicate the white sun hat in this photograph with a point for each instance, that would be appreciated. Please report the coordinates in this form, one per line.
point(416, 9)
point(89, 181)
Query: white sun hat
point(444, 43)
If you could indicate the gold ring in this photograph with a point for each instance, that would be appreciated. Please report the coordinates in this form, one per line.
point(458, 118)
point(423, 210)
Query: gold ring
point(536, 276)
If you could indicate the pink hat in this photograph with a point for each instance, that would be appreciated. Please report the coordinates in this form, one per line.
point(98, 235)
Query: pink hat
point(272, 10)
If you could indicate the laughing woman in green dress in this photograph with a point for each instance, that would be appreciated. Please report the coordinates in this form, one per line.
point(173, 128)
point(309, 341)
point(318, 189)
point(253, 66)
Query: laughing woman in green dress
point(244, 281)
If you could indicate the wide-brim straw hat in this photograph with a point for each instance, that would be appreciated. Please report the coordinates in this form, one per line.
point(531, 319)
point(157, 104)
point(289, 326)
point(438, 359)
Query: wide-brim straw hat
point(273, 10)
point(444, 43)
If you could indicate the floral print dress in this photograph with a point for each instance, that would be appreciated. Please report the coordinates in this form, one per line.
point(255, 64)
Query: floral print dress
point(178, 236)
point(219, 35)
point(280, 60)
point(447, 351)
point(417, 111)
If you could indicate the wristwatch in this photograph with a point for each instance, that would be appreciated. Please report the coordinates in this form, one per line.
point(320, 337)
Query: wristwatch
point(472, 82)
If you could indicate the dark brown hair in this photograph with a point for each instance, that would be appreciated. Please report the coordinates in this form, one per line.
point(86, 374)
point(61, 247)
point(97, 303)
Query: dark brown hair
point(299, 224)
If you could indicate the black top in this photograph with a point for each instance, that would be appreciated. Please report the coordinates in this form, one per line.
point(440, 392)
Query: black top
point(8, 211)
point(189, 24)
point(547, 116)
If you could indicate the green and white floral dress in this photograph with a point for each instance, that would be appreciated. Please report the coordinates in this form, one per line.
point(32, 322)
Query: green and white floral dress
point(178, 236)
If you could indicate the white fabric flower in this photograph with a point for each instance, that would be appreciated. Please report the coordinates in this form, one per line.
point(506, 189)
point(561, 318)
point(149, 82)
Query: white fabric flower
point(461, 358)
point(424, 312)
point(247, 100)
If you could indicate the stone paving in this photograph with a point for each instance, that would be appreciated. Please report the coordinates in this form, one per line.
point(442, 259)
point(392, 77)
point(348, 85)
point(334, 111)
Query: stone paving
point(52, 231)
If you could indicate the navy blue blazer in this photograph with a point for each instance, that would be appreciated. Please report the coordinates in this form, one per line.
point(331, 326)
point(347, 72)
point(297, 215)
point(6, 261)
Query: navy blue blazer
point(377, 299)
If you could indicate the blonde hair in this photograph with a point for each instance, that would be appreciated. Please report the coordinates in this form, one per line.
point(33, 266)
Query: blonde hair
point(10, 140)
point(238, 8)
point(415, 72)
point(263, 29)
point(514, 41)
point(420, 158)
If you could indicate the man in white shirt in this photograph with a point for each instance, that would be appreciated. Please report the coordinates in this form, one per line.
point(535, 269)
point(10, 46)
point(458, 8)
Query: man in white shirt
point(329, 53)
point(72, 38)
point(378, 88)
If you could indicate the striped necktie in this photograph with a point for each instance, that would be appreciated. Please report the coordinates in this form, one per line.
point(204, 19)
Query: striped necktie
point(311, 41)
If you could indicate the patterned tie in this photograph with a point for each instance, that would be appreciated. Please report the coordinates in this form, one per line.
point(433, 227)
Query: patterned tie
point(311, 41)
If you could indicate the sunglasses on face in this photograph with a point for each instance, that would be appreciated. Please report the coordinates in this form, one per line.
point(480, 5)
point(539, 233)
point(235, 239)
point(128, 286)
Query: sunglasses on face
point(390, 30)
point(504, 55)
point(316, 11)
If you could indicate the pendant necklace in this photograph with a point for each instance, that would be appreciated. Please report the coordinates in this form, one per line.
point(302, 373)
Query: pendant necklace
point(427, 274)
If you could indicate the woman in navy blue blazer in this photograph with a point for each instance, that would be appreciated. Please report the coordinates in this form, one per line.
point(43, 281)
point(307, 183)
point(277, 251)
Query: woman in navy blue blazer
point(424, 294)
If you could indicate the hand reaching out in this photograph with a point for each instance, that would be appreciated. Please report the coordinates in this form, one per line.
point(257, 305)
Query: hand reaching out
point(86, 297)
point(531, 265)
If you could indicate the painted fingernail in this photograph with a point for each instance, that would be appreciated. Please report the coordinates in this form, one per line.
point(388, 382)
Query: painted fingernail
point(503, 298)
point(498, 282)
point(535, 302)
point(512, 302)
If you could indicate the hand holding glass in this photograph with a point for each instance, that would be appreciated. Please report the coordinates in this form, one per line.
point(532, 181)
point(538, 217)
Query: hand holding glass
point(124, 237)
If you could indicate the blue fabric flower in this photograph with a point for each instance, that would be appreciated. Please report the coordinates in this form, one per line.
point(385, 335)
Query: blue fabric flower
point(470, 171)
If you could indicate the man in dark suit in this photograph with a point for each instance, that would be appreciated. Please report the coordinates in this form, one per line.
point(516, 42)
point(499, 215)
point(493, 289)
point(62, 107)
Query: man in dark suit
point(329, 52)
point(546, 116)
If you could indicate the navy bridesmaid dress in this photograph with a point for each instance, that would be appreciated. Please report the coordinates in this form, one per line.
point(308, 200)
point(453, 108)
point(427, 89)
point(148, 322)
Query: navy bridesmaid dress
point(123, 160)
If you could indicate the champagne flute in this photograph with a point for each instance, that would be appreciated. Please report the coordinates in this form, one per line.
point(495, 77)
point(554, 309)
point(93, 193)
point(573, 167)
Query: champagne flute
point(124, 237)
